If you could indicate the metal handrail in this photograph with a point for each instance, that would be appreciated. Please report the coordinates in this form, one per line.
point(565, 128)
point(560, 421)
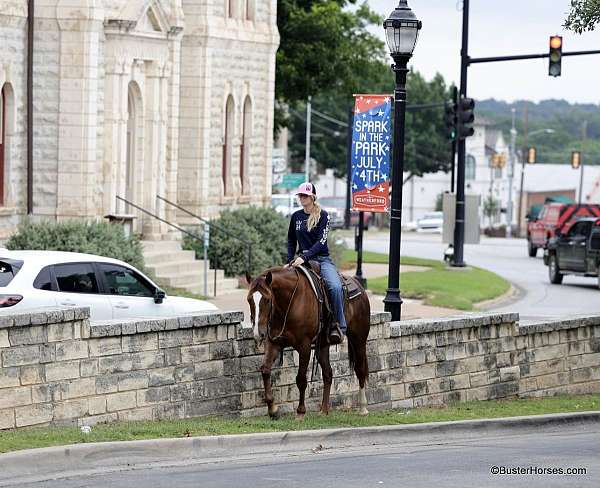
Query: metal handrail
point(212, 224)
point(191, 234)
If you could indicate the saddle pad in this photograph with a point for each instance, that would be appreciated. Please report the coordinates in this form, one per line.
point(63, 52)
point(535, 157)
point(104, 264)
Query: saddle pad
point(352, 286)
point(311, 280)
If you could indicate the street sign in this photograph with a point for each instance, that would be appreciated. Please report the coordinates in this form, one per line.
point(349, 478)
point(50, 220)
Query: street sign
point(371, 137)
point(291, 180)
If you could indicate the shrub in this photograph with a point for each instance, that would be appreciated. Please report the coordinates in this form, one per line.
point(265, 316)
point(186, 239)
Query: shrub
point(263, 228)
point(99, 238)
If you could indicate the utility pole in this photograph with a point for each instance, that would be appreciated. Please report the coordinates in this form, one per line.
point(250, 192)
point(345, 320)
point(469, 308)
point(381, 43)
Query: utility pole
point(307, 147)
point(523, 162)
point(511, 172)
point(583, 137)
point(453, 145)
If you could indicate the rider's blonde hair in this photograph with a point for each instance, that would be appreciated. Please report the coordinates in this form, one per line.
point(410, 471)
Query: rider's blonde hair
point(315, 215)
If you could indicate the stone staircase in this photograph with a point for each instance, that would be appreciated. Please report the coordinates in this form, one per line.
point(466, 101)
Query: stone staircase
point(174, 267)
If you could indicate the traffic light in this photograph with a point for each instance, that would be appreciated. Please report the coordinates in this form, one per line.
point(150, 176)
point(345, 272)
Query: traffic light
point(450, 120)
point(466, 117)
point(498, 160)
point(554, 66)
point(575, 159)
point(531, 155)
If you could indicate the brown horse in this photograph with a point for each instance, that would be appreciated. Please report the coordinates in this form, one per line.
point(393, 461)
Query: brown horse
point(285, 313)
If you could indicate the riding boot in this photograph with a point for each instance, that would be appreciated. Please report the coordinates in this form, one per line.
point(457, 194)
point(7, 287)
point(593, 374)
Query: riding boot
point(336, 336)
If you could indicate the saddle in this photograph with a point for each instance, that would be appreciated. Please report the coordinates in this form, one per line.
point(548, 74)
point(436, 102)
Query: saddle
point(351, 286)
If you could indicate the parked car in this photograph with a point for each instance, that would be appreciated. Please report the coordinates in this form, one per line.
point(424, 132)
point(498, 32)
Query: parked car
point(285, 203)
point(337, 205)
point(431, 222)
point(111, 288)
point(554, 215)
point(574, 249)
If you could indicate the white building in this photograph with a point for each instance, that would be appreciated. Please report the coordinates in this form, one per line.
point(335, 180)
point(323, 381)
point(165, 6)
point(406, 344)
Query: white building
point(137, 98)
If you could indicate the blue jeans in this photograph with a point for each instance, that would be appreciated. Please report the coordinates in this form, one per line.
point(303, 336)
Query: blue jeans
point(334, 285)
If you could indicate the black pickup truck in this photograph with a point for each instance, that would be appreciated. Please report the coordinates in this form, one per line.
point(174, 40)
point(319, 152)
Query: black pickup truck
point(576, 251)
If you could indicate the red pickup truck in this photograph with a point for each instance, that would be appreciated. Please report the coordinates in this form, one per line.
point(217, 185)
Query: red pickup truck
point(554, 216)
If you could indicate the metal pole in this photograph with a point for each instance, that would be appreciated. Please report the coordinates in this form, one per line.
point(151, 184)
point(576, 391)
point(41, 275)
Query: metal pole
point(511, 172)
point(392, 298)
point(348, 168)
point(307, 147)
point(583, 138)
point(359, 250)
point(581, 180)
point(206, 244)
point(30, 26)
point(459, 226)
point(453, 148)
point(524, 156)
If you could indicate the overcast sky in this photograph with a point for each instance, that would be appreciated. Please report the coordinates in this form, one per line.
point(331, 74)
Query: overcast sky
point(500, 28)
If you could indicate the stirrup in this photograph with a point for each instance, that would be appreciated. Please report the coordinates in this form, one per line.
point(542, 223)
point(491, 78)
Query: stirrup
point(335, 335)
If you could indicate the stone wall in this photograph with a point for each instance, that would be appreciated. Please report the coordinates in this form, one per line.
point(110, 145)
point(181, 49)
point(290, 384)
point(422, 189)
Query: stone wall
point(56, 368)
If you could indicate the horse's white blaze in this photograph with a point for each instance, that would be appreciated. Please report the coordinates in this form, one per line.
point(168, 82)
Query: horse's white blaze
point(256, 296)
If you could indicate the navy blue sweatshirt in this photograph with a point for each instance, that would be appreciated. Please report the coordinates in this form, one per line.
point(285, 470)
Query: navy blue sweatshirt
point(313, 243)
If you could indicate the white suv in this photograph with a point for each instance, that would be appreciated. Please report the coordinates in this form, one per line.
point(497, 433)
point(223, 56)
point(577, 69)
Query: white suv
point(111, 288)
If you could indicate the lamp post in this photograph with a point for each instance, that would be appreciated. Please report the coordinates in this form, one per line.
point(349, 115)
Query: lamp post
point(523, 162)
point(401, 31)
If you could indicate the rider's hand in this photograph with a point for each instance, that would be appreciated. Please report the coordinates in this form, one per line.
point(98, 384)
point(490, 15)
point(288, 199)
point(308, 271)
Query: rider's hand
point(297, 262)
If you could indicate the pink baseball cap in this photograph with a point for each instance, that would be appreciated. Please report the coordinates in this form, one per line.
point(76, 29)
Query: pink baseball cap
point(307, 189)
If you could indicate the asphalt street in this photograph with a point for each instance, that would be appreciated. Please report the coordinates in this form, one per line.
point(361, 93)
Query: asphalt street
point(508, 258)
point(421, 464)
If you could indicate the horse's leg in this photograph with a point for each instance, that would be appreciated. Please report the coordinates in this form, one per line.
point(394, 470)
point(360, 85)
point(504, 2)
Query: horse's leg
point(301, 381)
point(271, 352)
point(361, 368)
point(327, 373)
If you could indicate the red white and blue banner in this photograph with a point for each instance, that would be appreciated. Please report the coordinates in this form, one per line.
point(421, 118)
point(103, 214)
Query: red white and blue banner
point(371, 137)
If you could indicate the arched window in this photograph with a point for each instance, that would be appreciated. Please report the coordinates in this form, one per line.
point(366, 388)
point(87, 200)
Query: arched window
point(245, 146)
point(3, 135)
point(227, 143)
point(470, 167)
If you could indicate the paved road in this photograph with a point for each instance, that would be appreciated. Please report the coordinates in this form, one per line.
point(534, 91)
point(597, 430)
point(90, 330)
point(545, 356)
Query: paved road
point(508, 258)
point(448, 464)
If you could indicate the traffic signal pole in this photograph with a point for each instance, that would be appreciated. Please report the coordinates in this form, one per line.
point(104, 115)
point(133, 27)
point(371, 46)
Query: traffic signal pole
point(459, 225)
point(465, 62)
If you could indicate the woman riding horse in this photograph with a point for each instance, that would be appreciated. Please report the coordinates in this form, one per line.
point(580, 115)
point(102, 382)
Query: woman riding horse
point(308, 230)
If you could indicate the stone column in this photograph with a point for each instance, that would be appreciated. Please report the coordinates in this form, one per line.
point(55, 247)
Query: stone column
point(78, 168)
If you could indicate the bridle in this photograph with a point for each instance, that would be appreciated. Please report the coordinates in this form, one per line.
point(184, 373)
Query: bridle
point(269, 323)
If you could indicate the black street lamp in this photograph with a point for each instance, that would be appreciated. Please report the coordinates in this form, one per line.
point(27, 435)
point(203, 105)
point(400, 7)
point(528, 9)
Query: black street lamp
point(401, 31)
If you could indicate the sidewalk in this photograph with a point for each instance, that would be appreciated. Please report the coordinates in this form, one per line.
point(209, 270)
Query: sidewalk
point(411, 309)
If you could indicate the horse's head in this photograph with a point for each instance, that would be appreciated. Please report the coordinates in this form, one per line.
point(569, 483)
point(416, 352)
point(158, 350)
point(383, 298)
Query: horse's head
point(259, 298)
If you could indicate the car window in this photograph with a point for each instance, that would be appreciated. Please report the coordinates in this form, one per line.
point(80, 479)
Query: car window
point(595, 240)
point(126, 282)
point(43, 281)
point(76, 278)
point(8, 270)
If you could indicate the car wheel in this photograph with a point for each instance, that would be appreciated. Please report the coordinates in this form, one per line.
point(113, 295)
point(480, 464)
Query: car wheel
point(531, 249)
point(554, 273)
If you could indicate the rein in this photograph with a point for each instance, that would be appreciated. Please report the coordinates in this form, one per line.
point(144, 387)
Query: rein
point(278, 336)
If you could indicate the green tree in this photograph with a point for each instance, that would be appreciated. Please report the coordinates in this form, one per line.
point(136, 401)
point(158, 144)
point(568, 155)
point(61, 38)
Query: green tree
point(583, 16)
point(324, 45)
point(426, 148)
point(491, 207)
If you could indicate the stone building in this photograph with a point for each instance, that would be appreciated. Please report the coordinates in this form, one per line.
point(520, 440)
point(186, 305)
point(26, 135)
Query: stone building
point(137, 98)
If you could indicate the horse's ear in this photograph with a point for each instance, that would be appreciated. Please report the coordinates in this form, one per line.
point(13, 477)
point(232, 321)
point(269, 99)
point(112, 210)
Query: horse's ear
point(269, 278)
point(248, 278)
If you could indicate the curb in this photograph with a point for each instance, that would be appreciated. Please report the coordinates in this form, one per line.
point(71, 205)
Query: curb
point(513, 295)
point(36, 465)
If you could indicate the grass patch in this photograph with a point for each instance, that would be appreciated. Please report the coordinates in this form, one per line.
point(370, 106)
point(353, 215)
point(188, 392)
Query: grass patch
point(125, 431)
point(349, 259)
point(442, 287)
point(439, 286)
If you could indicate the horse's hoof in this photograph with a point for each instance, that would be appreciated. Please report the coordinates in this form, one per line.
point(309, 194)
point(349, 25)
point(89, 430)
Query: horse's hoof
point(299, 417)
point(363, 411)
point(275, 414)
